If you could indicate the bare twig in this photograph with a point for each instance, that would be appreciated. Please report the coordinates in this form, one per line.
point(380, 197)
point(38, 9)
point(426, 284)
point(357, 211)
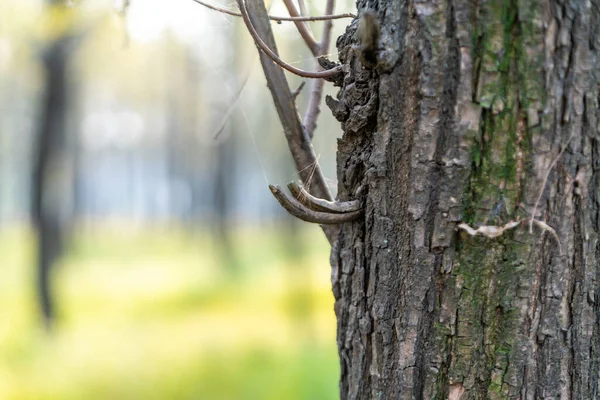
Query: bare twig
point(304, 29)
point(314, 107)
point(316, 94)
point(296, 92)
point(302, 6)
point(322, 205)
point(276, 18)
point(298, 210)
point(259, 42)
point(300, 147)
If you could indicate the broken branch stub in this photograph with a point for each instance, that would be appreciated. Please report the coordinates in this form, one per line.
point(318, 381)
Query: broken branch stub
point(314, 203)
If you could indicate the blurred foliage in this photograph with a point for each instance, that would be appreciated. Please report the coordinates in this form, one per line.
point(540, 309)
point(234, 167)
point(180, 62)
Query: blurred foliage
point(149, 314)
point(156, 313)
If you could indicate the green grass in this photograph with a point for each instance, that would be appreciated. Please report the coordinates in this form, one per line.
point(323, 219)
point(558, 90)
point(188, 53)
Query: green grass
point(156, 314)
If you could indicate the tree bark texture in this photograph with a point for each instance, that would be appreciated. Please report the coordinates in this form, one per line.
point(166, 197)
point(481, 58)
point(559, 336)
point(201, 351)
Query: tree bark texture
point(469, 108)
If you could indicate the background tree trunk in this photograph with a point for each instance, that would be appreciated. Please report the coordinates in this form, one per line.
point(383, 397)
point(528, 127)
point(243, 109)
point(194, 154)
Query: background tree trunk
point(466, 113)
point(48, 173)
point(51, 182)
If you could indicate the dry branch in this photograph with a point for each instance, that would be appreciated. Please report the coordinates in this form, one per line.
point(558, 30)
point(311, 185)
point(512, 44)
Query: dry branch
point(296, 92)
point(277, 18)
point(316, 94)
point(274, 57)
point(322, 205)
point(303, 29)
point(299, 210)
point(300, 147)
point(302, 6)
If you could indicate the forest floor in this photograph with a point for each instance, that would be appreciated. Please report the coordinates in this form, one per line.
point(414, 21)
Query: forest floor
point(160, 314)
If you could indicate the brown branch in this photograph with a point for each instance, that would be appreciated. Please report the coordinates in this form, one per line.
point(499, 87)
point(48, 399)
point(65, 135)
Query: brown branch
point(314, 107)
point(300, 147)
point(303, 29)
point(296, 92)
point(274, 57)
point(276, 18)
point(316, 94)
point(317, 204)
point(302, 6)
point(298, 210)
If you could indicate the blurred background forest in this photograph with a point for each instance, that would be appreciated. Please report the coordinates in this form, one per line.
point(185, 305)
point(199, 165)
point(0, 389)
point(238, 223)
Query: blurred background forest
point(142, 255)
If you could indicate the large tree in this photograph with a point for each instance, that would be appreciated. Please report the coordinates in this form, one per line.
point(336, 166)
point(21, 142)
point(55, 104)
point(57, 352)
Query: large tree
point(481, 114)
point(465, 235)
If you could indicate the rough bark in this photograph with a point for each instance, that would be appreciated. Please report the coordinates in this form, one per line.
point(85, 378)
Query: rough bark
point(466, 113)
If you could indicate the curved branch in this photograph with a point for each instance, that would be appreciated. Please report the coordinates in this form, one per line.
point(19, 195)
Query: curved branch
point(302, 6)
point(299, 210)
point(300, 146)
point(259, 42)
point(317, 204)
point(276, 18)
point(304, 29)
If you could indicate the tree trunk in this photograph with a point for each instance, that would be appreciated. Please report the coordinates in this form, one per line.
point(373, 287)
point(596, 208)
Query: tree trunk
point(46, 192)
point(48, 180)
point(465, 115)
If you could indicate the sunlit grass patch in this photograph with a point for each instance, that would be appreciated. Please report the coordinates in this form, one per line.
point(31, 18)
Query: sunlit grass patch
point(155, 315)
